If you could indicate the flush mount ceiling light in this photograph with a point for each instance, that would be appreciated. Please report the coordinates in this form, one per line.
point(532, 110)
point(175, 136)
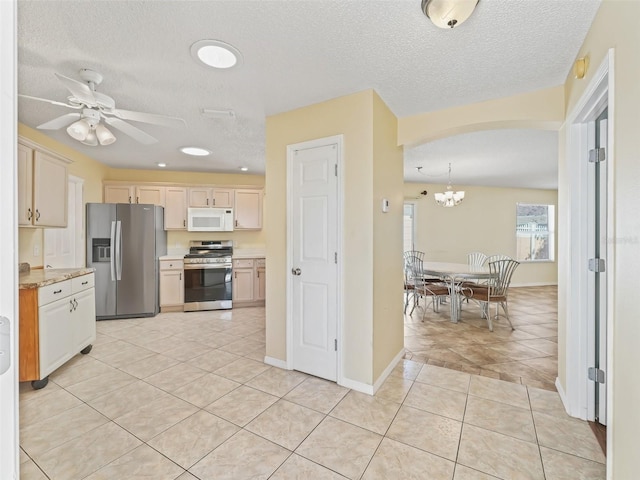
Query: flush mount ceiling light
point(448, 13)
point(162, 165)
point(244, 169)
point(216, 54)
point(449, 198)
point(195, 151)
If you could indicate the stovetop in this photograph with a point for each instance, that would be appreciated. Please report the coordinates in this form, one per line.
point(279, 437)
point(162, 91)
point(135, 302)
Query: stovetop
point(209, 251)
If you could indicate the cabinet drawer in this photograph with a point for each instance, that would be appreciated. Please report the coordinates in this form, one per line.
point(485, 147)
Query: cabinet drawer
point(243, 263)
point(83, 282)
point(53, 292)
point(260, 262)
point(171, 265)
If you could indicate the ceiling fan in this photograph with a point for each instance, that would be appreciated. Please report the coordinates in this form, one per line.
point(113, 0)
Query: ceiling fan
point(85, 125)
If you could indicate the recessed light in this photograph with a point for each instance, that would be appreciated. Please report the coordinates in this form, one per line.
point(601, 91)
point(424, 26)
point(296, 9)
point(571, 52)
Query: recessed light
point(216, 54)
point(244, 169)
point(195, 151)
point(162, 165)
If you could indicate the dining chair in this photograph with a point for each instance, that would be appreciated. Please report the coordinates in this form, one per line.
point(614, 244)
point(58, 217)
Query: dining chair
point(494, 258)
point(495, 291)
point(476, 259)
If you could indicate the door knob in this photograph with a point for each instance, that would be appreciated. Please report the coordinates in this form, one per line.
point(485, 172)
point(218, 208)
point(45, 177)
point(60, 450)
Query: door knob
point(296, 271)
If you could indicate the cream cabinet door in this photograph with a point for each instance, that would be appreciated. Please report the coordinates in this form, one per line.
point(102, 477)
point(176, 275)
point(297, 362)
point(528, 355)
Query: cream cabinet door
point(222, 197)
point(171, 288)
point(260, 288)
point(83, 319)
point(49, 191)
point(119, 193)
point(151, 194)
point(175, 208)
point(242, 285)
point(248, 210)
point(199, 197)
point(25, 185)
point(54, 333)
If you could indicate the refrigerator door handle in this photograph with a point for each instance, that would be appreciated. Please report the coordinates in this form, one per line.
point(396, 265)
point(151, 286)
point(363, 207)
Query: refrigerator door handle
point(112, 260)
point(119, 250)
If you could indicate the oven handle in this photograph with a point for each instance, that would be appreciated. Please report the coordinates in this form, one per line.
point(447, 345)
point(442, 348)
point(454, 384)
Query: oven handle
point(206, 266)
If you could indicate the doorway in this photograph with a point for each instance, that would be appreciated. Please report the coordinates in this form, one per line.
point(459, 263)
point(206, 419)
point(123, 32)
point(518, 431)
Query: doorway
point(65, 247)
point(313, 252)
point(589, 271)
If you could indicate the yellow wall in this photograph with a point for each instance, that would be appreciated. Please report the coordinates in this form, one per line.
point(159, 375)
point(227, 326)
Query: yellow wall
point(351, 116)
point(616, 26)
point(484, 222)
point(388, 173)
point(542, 109)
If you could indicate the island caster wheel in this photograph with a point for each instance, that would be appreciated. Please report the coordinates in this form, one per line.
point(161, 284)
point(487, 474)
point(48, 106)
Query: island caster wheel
point(86, 349)
point(38, 384)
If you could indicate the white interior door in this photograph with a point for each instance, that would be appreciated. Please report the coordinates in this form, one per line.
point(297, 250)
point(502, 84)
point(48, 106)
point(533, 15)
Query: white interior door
point(313, 252)
point(64, 247)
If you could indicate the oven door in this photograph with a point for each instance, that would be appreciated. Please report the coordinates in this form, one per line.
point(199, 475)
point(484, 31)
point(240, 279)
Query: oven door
point(207, 287)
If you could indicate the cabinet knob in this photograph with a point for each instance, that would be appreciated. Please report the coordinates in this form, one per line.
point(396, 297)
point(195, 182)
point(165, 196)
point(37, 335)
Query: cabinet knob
point(29, 214)
point(37, 214)
point(129, 198)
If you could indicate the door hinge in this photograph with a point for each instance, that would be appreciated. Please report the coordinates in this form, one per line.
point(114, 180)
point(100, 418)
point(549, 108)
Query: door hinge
point(335, 257)
point(335, 170)
point(597, 155)
point(335, 344)
point(597, 265)
point(596, 375)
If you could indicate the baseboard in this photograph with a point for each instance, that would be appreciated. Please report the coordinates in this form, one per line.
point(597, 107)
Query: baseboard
point(535, 284)
point(563, 396)
point(372, 389)
point(355, 385)
point(276, 362)
point(387, 371)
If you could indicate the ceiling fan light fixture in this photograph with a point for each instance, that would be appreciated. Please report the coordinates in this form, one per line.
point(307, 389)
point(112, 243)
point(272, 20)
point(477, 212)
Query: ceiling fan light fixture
point(90, 139)
point(216, 54)
point(105, 137)
point(448, 13)
point(195, 151)
point(79, 130)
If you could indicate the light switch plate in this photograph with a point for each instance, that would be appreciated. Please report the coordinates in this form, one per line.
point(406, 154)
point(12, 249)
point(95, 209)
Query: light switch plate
point(385, 205)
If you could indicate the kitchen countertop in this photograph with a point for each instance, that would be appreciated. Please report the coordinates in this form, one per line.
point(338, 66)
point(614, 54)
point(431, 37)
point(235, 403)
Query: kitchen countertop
point(41, 277)
point(174, 256)
point(249, 253)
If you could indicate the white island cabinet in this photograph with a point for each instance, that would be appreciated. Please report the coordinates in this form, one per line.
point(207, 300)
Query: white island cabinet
point(57, 320)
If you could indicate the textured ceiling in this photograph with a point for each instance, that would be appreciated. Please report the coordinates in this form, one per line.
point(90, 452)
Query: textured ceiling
point(295, 53)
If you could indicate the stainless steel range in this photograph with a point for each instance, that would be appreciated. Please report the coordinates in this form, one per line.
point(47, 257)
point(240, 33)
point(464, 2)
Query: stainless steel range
point(207, 275)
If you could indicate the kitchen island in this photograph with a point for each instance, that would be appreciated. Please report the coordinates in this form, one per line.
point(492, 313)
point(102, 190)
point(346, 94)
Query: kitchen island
point(57, 320)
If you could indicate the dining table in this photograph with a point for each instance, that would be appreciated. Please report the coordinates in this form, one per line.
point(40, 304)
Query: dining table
point(453, 274)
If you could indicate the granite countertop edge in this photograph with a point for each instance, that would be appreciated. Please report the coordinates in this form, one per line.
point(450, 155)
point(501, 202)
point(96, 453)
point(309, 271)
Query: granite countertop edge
point(42, 277)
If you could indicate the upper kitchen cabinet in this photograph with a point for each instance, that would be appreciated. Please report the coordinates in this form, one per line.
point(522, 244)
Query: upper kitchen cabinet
point(248, 209)
point(42, 188)
point(175, 208)
point(119, 193)
point(210, 197)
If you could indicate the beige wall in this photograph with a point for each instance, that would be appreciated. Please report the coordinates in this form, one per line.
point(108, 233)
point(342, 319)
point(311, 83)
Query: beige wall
point(353, 117)
point(616, 26)
point(484, 222)
point(542, 109)
point(388, 173)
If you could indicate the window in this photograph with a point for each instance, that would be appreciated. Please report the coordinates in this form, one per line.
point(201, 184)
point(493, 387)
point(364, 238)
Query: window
point(535, 232)
point(409, 226)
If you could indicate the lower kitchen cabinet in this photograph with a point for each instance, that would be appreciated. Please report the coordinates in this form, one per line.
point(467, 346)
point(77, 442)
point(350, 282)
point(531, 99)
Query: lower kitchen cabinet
point(248, 282)
point(57, 321)
point(171, 285)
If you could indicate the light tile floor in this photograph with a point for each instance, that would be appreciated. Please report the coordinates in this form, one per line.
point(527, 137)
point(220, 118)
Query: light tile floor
point(526, 355)
point(186, 396)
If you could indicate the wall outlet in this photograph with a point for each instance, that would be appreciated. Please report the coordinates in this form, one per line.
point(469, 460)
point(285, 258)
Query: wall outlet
point(36, 250)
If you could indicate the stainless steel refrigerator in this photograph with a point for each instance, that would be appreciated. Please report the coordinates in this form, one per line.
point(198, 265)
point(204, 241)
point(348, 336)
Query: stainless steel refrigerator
point(124, 242)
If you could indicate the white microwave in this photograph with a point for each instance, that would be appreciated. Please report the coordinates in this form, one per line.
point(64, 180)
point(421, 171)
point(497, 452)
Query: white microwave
point(210, 219)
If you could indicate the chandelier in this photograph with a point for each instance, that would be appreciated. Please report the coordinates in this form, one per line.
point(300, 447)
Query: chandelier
point(449, 198)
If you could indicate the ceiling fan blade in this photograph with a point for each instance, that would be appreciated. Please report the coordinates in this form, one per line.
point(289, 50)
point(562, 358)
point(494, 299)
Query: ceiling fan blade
point(153, 118)
point(59, 122)
point(79, 90)
point(133, 132)
point(52, 102)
